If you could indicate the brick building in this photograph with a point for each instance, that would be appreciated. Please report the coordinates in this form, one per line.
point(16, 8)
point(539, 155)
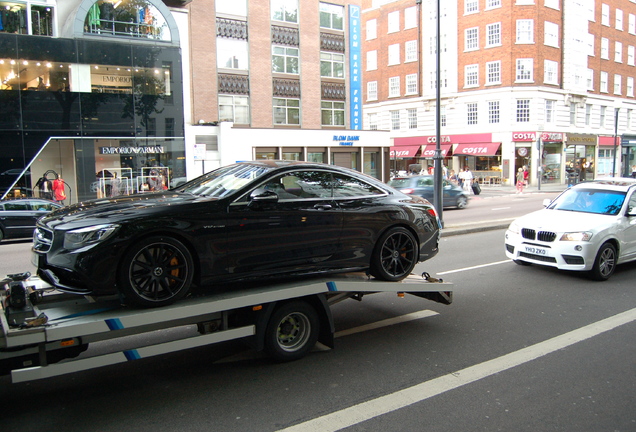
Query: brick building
point(538, 83)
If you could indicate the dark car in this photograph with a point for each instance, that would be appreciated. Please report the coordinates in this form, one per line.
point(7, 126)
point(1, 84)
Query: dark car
point(454, 196)
point(18, 217)
point(249, 220)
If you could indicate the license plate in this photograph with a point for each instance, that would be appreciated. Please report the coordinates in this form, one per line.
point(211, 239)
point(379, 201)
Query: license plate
point(537, 251)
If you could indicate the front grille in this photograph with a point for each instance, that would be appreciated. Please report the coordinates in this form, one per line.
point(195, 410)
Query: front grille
point(544, 236)
point(42, 239)
point(538, 257)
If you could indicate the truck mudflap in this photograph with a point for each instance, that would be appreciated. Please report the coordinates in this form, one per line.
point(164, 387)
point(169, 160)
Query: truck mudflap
point(444, 297)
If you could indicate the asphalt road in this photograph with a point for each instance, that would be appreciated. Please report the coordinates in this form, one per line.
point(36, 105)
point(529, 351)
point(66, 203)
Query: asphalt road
point(520, 349)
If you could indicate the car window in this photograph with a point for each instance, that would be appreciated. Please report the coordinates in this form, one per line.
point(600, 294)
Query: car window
point(399, 183)
point(17, 206)
point(590, 201)
point(223, 181)
point(42, 206)
point(346, 186)
point(631, 208)
point(301, 185)
point(427, 181)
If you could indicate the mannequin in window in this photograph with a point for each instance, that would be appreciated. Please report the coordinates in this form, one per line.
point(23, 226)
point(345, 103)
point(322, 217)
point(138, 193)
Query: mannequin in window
point(45, 187)
point(58, 190)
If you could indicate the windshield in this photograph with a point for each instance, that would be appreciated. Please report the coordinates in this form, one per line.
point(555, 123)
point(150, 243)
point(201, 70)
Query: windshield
point(590, 201)
point(224, 181)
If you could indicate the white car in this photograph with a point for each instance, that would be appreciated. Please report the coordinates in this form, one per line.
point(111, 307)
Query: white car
point(589, 227)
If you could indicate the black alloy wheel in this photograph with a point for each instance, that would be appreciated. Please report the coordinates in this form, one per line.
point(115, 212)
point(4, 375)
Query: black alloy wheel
point(156, 272)
point(395, 255)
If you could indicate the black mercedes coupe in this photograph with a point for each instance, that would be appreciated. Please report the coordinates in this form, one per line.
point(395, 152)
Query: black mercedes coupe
point(249, 220)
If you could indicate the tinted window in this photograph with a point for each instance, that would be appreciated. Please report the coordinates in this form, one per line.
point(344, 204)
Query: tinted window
point(17, 206)
point(304, 184)
point(345, 186)
point(590, 201)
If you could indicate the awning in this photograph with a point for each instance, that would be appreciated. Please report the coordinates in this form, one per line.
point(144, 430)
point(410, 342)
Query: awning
point(477, 149)
point(608, 141)
point(429, 150)
point(404, 151)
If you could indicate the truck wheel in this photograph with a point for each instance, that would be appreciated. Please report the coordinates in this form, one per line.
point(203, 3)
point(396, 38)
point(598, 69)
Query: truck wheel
point(292, 331)
point(605, 263)
point(157, 271)
point(395, 255)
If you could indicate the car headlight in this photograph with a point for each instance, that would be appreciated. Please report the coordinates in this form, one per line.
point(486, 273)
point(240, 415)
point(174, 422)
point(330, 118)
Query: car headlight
point(79, 238)
point(514, 228)
point(577, 236)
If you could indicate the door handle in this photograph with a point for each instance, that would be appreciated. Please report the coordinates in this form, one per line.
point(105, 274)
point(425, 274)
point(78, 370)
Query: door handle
point(323, 207)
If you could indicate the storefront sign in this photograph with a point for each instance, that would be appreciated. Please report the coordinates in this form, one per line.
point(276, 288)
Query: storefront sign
point(429, 150)
point(355, 73)
point(454, 139)
point(346, 140)
point(581, 139)
point(552, 137)
point(532, 136)
point(522, 151)
point(524, 136)
point(111, 80)
point(483, 149)
point(131, 150)
point(404, 152)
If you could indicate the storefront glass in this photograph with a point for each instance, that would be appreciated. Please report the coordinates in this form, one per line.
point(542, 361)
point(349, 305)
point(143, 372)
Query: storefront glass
point(551, 163)
point(371, 164)
point(20, 18)
point(579, 163)
point(127, 18)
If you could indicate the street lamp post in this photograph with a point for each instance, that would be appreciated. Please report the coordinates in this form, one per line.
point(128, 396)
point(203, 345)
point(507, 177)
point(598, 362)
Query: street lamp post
point(616, 111)
point(437, 159)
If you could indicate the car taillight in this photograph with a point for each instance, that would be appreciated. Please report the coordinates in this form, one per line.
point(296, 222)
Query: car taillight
point(407, 191)
point(433, 212)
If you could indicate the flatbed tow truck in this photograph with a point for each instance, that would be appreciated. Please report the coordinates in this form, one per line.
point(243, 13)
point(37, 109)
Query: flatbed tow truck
point(43, 332)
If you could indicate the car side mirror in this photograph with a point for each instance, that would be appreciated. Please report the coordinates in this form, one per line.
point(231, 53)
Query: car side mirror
point(263, 196)
point(546, 202)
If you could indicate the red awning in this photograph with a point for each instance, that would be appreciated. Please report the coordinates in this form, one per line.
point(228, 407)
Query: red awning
point(477, 149)
point(429, 150)
point(608, 141)
point(404, 151)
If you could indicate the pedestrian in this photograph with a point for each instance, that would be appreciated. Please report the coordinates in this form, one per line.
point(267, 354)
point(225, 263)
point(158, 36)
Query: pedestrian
point(526, 174)
point(452, 177)
point(520, 181)
point(466, 177)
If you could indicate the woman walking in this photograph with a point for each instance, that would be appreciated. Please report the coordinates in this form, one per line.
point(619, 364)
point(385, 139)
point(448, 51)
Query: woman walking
point(520, 181)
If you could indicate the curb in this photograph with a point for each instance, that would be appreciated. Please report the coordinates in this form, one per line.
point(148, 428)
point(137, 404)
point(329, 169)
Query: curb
point(454, 230)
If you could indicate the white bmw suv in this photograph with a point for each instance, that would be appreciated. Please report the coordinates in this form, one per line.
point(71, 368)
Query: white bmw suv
point(589, 227)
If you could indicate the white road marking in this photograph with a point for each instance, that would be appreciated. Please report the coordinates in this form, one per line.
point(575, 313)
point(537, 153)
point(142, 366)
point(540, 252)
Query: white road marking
point(500, 208)
point(376, 407)
point(473, 267)
point(387, 322)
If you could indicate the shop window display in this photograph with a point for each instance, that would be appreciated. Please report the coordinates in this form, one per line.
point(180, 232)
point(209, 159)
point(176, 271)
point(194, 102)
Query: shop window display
point(126, 18)
point(22, 18)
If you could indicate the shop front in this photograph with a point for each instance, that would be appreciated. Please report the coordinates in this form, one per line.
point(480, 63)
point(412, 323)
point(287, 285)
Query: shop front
point(406, 154)
point(608, 162)
point(543, 149)
point(580, 157)
point(628, 155)
point(480, 154)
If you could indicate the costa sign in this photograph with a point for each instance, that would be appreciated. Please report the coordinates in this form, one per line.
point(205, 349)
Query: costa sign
point(524, 136)
point(444, 139)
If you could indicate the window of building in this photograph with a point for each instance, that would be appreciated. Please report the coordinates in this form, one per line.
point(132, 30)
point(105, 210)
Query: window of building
point(411, 84)
point(232, 54)
point(372, 90)
point(105, 18)
point(493, 35)
point(604, 82)
point(394, 22)
point(410, 49)
point(373, 121)
point(472, 39)
point(286, 111)
point(550, 72)
point(442, 116)
point(372, 29)
point(372, 60)
point(603, 115)
point(471, 111)
point(395, 119)
point(618, 52)
point(471, 73)
point(331, 16)
point(525, 31)
point(588, 114)
point(394, 86)
point(572, 113)
point(630, 55)
point(493, 73)
point(629, 89)
point(605, 14)
point(285, 59)
point(523, 110)
point(619, 19)
point(553, 4)
point(410, 17)
point(493, 112)
point(332, 113)
point(491, 4)
point(631, 24)
point(471, 6)
point(618, 84)
point(524, 70)
point(605, 48)
point(590, 79)
point(331, 65)
point(285, 10)
point(551, 34)
point(231, 7)
point(549, 111)
point(394, 54)
point(234, 108)
point(412, 117)
point(629, 116)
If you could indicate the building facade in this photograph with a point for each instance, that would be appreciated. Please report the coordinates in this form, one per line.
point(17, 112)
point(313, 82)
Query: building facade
point(546, 84)
point(278, 79)
point(91, 92)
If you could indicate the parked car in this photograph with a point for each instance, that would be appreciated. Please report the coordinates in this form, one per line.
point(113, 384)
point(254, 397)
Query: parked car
point(18, 217)
point(249, 220)
point(589, 227)
point(454, 196)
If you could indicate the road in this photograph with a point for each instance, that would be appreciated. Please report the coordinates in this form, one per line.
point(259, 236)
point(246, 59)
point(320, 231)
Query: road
point(520, 349)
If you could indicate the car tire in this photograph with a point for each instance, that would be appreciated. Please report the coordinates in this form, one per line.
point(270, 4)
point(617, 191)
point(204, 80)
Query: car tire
point(605, 262)
point(157, 271)
point(291, 331)
point(1, 235)
point(462, 202)
point(395, 255)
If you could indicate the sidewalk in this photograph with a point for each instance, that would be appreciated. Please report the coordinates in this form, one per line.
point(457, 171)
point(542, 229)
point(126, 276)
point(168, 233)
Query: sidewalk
point(492, 191)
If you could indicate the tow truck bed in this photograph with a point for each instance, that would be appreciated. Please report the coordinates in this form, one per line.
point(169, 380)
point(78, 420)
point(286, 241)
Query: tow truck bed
point(73, 322)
